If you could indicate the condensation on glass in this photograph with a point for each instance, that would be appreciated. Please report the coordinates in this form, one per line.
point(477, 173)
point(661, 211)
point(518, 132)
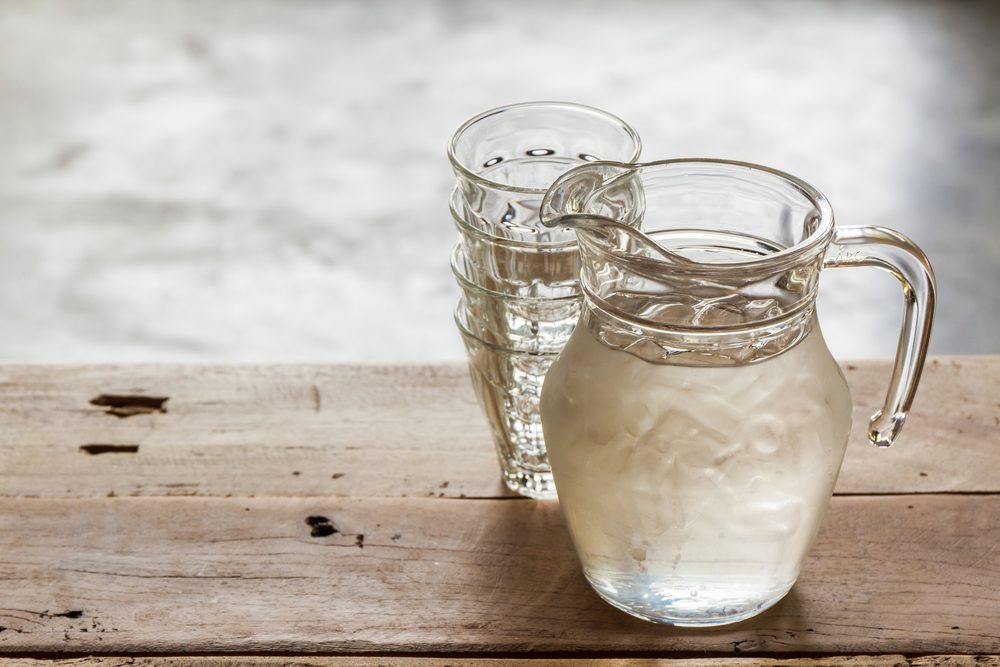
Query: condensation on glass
point(696, 421)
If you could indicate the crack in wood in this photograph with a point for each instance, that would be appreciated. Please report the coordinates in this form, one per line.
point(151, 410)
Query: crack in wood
point(407, 657)
point(96, 449)
point(129, 405)
point(133, 575)
point(71, 613)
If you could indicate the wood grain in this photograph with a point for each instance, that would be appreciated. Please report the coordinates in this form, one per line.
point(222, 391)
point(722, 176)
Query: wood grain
point(920, 574)
point(359, 661)
point(392, 431)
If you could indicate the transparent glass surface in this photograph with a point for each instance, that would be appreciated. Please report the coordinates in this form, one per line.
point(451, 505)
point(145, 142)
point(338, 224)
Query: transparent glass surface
point(519, 278)
point(516, 268)
point(694, 492)
point(508, 385)
point(696, 421)
point(506, 158)
point(522, 323)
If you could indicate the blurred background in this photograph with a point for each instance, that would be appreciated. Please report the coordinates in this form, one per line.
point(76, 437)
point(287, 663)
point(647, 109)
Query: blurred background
point(262, 180)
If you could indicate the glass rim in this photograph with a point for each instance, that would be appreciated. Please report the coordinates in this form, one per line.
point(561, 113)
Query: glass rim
point(820, 236)
point(459, 166)
point(467, 283)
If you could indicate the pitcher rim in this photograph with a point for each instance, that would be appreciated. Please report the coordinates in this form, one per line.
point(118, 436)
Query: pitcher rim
point(473, 176)
point(821, 236)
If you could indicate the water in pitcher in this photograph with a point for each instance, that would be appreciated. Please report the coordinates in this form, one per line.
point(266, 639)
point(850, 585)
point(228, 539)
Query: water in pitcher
point(692, 493)
point(696, 421)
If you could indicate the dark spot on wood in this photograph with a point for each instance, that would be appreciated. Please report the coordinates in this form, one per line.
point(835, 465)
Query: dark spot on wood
point(909, 507)
point(296, 473)
point(94, 450)
point(395, 537)
point(336, 475)
point(323, 530)
point(112, 494)
point(955, 627)
point(84, 630)
point(810, 630)
point(73, 613)
point(852, 367)
point(2, 628)
point(923, 474)
point(122, 405)
point(443, 485)
point(359, 540)
point(246, 509)
point(321, 526)
point(316, 397)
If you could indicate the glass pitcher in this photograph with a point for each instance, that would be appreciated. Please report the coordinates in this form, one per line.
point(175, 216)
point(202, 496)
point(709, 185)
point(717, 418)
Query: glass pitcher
point(695, 420)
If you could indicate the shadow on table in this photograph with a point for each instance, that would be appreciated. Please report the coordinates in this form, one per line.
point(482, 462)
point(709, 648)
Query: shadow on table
point(537, 587)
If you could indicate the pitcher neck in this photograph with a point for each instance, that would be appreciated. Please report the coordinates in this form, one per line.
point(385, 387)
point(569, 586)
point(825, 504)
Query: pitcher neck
point(732, 346)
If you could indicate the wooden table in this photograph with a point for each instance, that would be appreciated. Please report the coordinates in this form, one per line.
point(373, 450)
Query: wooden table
point(353, 515)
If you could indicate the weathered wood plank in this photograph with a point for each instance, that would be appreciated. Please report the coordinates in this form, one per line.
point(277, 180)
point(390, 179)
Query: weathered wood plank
point(952, 432)
point(920, 574)
point(246, 430)
point(315, 431)
point(358, 661)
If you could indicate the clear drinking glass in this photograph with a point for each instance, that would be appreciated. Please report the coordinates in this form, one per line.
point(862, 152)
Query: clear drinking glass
point(506, 158)
point(511, 341)
point(508, 385)
point(696, 421)
point(516, 267)
point(520, 278)
point(525, 323)
point(504, 321)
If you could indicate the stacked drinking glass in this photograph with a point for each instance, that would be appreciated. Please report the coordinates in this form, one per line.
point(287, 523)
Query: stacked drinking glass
point(520, 292)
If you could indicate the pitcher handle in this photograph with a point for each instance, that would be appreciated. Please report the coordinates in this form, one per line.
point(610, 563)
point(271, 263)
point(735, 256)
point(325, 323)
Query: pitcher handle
point(890, 251)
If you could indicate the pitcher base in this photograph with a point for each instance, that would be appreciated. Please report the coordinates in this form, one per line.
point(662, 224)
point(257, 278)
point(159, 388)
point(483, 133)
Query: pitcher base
point(704, 605)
